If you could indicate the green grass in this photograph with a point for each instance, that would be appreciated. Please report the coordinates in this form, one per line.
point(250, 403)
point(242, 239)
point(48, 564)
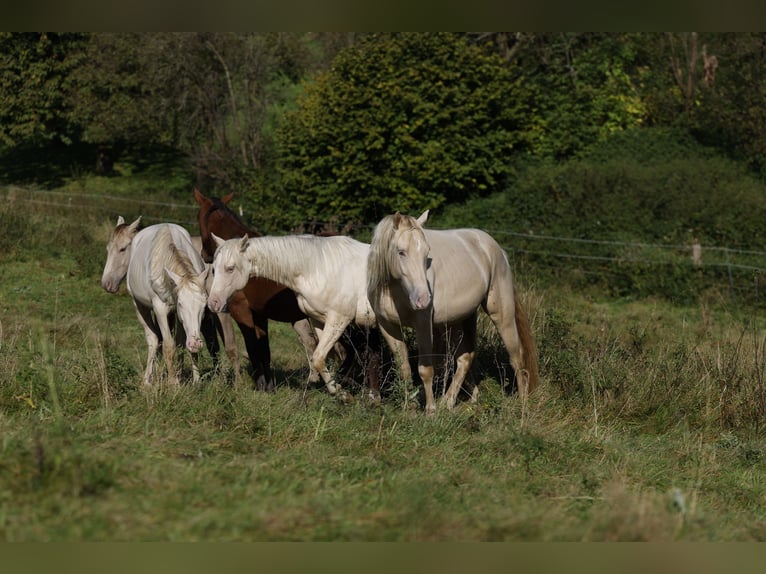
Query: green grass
point(648, 425)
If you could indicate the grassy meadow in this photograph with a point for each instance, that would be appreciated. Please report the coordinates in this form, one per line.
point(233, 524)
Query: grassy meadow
point(648, 424)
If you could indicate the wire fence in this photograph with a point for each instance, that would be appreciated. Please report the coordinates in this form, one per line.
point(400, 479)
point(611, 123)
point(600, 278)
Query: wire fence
point(743, 271)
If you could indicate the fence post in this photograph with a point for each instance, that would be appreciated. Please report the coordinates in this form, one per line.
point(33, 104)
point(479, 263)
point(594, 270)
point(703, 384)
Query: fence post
point(696, 253)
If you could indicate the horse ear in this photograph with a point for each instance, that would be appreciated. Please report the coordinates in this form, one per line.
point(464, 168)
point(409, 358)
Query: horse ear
point(120, 220)
point(135, 224)
point(198, 197)
point(423, 217)
point(397, 219)
point(243, 243)
point(218, 240)
point(173, 276)
point(227, 198)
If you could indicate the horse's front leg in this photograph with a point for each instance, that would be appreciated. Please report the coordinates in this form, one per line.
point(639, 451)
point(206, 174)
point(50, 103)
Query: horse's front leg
point(425, 339)
point(331, 332)
point(161, 312)
point(392, 334)
point(308, 338)
point(230, 343)
point(152, 340)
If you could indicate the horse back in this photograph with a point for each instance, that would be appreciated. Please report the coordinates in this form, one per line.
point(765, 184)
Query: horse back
point(466, 264)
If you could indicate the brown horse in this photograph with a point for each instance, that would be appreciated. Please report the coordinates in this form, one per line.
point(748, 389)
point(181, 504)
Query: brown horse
point(262, 300)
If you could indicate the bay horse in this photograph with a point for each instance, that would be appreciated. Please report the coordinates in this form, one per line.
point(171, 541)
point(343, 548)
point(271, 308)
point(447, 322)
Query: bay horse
point(262, 299)
point(327, 275)
point(165, 276)
point(436, 280)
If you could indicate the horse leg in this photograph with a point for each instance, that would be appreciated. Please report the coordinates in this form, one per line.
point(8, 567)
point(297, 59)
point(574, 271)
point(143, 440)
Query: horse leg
point(425, 339)
point(372, 364)
point(466, 351)
point(331, 332)
point(394, 338)
point(264, 381)
point(152, 340)
point(503, 316)
point(161, 312)
point(209, 329)
point(226, 325)
point(308, 338)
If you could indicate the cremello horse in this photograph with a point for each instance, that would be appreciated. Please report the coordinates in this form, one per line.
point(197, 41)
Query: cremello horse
point(429, 279)
point(327, 274)
point(165, 275)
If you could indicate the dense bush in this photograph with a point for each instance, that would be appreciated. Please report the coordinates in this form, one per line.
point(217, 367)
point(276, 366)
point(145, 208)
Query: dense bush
point(626, 213)
point(403, 122)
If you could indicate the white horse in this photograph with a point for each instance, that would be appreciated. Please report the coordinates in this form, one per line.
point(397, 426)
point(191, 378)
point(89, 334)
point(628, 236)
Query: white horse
point(165, 275)
point(437, 279)
point(327, 274)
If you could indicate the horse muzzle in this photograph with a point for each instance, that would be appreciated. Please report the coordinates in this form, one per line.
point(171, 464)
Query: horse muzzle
point(194, 344)
point(110, 286)
point(216, 305)
point(420, 301)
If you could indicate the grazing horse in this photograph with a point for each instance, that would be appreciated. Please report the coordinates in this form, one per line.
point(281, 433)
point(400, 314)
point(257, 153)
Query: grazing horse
point(435, 281)
point(327, 274)
point(165, 276)
point(262, 299)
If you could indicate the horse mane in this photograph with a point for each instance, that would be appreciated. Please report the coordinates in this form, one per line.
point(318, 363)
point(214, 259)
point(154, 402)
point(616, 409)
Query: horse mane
point(378, 261)
point(280, 257)
point(383, 251)
point(166, 254)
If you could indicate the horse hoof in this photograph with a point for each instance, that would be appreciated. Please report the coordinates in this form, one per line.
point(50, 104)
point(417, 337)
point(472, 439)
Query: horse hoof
point(344, 397)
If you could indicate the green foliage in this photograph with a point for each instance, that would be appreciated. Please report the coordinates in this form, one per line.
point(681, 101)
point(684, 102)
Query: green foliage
point(35, 70)
point(404, 121)
point(645, 186)
point(585, 87)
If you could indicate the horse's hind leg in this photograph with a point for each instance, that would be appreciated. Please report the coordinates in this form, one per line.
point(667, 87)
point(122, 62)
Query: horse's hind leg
point(466, 351)
point(502, 312)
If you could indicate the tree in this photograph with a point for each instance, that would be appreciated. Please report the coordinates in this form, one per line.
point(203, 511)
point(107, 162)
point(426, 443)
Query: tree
point(585, 87)
point(34, 73)
point(401, 122)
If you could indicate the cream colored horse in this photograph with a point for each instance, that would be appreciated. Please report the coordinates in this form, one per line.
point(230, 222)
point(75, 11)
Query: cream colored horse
point(429, 279)
point(118, 251)
point(327, 274)
point(164, 275)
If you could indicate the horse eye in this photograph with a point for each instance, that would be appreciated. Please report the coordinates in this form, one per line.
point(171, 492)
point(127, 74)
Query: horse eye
point(122, 250)
point(402, 253)
point(229, 269)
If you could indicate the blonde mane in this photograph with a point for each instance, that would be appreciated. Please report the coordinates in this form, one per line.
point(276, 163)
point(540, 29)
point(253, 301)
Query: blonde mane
point(279, 258)
point(166, 254)
point(383, 251)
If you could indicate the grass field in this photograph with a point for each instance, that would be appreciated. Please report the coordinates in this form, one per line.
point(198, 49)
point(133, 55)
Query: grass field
point(648, 425)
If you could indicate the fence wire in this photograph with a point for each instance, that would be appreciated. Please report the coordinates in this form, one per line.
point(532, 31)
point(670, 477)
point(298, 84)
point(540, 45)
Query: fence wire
point(745, 268)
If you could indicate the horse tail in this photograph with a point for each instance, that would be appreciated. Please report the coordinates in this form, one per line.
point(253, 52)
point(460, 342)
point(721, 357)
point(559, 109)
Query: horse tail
point(527, 345)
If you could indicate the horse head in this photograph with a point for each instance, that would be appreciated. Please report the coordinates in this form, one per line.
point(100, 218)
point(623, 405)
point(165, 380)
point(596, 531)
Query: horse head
point(191, 300)
point(211, 210)
point(118, 254)
point(231, 271)
point(409, 260)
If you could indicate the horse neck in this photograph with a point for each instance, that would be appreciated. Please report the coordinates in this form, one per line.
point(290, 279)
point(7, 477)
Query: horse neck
point(284, 259)
point(268, 259)
point(227, 225)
